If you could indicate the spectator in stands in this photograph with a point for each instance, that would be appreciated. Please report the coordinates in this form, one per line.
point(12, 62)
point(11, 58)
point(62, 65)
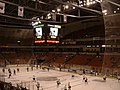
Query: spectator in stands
point(2, 85)
point(10, 85)
point(18, 87)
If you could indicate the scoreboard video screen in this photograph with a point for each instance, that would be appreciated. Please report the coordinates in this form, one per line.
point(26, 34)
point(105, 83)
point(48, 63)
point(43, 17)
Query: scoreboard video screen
point(53, 32)
point(53, 35)
point(39, 32)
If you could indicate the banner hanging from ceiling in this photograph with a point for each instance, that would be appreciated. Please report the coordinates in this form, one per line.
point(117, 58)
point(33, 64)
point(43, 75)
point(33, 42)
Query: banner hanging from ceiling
point(2, 7)
point(20, 11)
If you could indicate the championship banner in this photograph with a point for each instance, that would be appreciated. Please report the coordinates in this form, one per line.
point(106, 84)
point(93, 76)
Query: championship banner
point(20, 11)
point(2, 7)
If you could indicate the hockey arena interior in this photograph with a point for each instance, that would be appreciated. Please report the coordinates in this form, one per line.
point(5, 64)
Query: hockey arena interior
point(59, 44)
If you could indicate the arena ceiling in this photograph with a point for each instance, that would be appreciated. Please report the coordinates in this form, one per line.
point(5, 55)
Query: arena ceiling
point(53, 11)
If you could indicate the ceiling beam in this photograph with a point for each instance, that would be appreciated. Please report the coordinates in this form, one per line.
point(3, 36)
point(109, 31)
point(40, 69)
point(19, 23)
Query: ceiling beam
point(41, 2)
point(84, 8)
point(32, 9)
point(16, 26)
point(25, 19)
point(114, 3)
point(87, 9)
point(77, 16)
point(26, 7)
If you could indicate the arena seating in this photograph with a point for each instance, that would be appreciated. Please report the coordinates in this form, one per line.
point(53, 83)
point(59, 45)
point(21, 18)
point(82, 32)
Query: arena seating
point(97, 61)
point(82, 59)
point(2, 60)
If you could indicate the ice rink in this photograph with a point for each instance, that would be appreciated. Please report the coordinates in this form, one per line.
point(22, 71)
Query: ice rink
point(47, 80)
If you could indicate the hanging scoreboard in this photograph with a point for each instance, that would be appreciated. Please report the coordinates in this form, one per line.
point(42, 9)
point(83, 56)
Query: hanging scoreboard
point(46, 33)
